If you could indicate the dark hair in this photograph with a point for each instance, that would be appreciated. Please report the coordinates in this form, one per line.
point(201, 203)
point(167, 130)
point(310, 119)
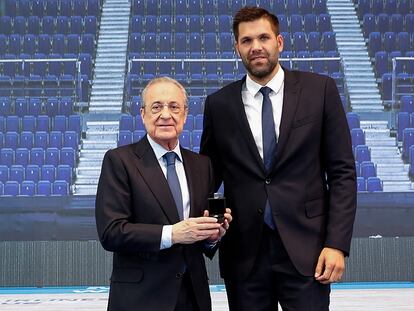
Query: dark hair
point(252, 13)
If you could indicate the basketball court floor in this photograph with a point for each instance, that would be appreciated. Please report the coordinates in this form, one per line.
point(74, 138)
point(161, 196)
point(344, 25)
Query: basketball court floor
point(345, 297)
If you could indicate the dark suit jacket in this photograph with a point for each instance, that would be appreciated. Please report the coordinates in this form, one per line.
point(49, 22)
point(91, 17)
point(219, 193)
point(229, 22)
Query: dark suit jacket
point(311, 186)
point(133, 202)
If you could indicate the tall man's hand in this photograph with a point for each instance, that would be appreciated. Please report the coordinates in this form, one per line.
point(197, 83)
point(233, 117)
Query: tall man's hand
point(331, 266)
point(196, 229)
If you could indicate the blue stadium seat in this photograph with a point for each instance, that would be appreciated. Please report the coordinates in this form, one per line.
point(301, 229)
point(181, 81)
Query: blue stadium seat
point(137, 135)
point(27, 188)
point(76, 25)
point(22, 156)
point(381, 62)
point(296, 23)
point(52, 156)
point(180, 23)
point(139, 125)
point(403, 39)
point(11, 188)
point(368, 169)
point(314, 41)
point(198, 122)
point(319, 6)
point(223, 7)
point(165, 24)
point(93, 7)
point(328, 41)
point(43, 123)
point(35, 106)
point(48, 173)
point(292, 7)
point(310, 23)
point(407, 103)
point(59, 123)
point(26, 139)
point(70, 139)
point(165, 42)
point(17, 173)
point(33, 25)
point(374, 184)
point(125, 138)
point(55, 139)
point(67, 156)
point(386, 81)
point(195, 105)
point(33, 173)
point(91, 25)
point(19, 25)
point(195, 42)
point(196, 138)
point(5, 107)
point(51, 7)
point(403, 122)
point(225, 25)
point(150, 24)
point(150, 44)
point(369, 23)
point(75, 123)
point(226, 42)
point(180, 43)
point(29, 124)
point(1, 188)
point(185, 140)
point(390, 42)
point(324, 22)
point(12, 124)
point(6, 156)
point(361, 184)
point(60, 187)
point(194, 23)
point(5, 25)
point(304, 65)
point(138, 7)
point(383, 23)
point(397, 23)
point(64, 172)
point(4, 173)
point(11, 140)
point(362, 153)
point(88, 43)
point(135, 42)
point(62, 25)
point(58, 44)
point(377, 6)
point(166, 7)
point(44, 44)
point(353, 122)
point(41, 140)
point(126, 122)
point(5, 87)
point(15, 44)
point(48, 25)
point(38, 7)
point(235, 5)
point(209, 24)
point(408, 141)
point(37, 156)
point(44, 188)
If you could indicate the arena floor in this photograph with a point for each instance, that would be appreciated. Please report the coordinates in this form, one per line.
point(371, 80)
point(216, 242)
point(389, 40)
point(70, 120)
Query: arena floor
point(345, 297)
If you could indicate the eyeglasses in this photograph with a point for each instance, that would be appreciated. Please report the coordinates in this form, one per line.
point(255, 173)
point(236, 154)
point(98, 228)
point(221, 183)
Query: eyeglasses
point(172, 107)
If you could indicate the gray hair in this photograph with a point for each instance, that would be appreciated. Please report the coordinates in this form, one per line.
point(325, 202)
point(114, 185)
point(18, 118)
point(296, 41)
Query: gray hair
point(159, 80)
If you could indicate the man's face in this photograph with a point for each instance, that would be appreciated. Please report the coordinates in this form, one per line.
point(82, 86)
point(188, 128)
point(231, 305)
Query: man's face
point(259, 48)
point(164, 113)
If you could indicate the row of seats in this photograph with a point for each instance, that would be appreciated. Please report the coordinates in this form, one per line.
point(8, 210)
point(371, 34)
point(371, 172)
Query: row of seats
point(371, 184)
point(34, 106)
point(30, 188)
point(212, 7)
point(407, 141)
point(38, 156)
point(48, 25)
point(390, 41)
point(52, 7)
point(383, 6)
point(41, 123)
point(222, 42)
point(223, 23)
point(35, 173)
point(404, 85)
point(36, 86)
point(383, 62)
point(39, 139)
point(47, 44)
point(404, 120)
point(384, 22)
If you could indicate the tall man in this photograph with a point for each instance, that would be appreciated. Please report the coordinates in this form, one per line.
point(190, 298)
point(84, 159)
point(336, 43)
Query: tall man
point(150, 197)
point(279, 141)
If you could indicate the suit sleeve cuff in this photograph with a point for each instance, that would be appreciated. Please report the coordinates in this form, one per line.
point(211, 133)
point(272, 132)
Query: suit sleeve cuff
point(166, 237)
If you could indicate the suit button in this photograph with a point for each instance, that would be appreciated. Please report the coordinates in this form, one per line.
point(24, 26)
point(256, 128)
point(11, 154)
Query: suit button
point(260, 211)
point(267, 181)
point(179, 275)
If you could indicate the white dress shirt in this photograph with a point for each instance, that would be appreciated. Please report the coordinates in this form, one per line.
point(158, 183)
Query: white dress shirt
point(253, 102)
point(159, 151)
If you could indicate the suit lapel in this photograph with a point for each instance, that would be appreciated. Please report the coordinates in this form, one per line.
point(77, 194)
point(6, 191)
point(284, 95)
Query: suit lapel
point(244, 123)
point(290, 104)
point(151, 172)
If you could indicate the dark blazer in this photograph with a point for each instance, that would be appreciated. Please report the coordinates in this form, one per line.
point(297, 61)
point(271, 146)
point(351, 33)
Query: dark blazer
point(133, 202)
point(311, 186)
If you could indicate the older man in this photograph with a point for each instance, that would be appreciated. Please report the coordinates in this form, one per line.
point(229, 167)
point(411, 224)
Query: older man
point(151, 211)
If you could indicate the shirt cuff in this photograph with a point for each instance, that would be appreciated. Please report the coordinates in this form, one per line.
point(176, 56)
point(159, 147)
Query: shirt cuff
point(166, 237)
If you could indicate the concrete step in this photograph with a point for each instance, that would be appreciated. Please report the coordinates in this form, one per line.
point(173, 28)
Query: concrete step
point(88, 171)
point(98, 144)
point(87, 180)
point(85, 190)
point(393, 186)
point(374, 124)
point(96, 135)
point(390, 168)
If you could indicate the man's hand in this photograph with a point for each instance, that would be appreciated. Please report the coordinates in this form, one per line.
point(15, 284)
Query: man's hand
point(196, 229)
point(331, 266)
point(223, 228)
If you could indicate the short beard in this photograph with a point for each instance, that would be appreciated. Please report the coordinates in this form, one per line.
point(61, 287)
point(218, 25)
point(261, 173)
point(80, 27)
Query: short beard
point(260, 73)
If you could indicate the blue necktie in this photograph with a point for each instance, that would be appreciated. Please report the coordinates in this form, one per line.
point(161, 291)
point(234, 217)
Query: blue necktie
point(173, 182)
point(269, 145)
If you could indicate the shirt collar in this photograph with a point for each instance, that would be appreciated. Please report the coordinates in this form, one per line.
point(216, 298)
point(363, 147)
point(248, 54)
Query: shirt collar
point(160, 150)
point(275, 84)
